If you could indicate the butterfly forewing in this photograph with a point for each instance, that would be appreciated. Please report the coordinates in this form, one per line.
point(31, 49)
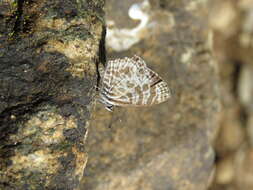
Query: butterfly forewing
point(129, 82)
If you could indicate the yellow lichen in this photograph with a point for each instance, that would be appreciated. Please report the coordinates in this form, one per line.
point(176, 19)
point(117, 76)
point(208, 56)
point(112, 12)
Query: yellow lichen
point(41, 160)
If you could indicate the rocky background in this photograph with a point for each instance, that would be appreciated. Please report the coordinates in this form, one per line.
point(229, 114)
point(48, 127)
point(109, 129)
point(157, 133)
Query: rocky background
point(203, 49)
point(167, 146)
point(232, 25)
point(55, 135)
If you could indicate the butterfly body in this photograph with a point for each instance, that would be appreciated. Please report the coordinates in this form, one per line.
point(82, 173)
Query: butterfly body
point(129, 82)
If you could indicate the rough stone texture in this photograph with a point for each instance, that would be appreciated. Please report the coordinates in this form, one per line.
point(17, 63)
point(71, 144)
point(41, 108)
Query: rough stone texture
point(166, 146)
point(48, 56)
point(232, 24)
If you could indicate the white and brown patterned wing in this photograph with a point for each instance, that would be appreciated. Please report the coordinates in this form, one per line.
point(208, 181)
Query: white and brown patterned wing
point(117, 68)
point(128, 82)
point(158, 91)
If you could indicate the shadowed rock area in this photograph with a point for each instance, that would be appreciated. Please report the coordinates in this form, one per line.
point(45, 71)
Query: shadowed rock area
point(167, 146)
point(48, 56)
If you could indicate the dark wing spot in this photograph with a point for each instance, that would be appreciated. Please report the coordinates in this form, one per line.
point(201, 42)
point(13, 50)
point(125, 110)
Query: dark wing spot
point(156, 82)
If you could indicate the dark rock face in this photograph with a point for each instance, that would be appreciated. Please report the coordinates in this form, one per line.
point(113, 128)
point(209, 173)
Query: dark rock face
point(166, 146)
point(48, 55)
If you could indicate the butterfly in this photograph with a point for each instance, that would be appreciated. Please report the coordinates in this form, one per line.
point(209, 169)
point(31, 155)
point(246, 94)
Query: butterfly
point(129, 82)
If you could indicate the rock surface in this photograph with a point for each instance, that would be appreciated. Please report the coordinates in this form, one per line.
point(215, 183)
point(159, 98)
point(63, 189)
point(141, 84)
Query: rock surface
point(48, 55)
point(167, 146)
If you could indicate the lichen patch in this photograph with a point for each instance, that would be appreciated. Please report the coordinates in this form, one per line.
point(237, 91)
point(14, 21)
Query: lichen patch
point(37, 161)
